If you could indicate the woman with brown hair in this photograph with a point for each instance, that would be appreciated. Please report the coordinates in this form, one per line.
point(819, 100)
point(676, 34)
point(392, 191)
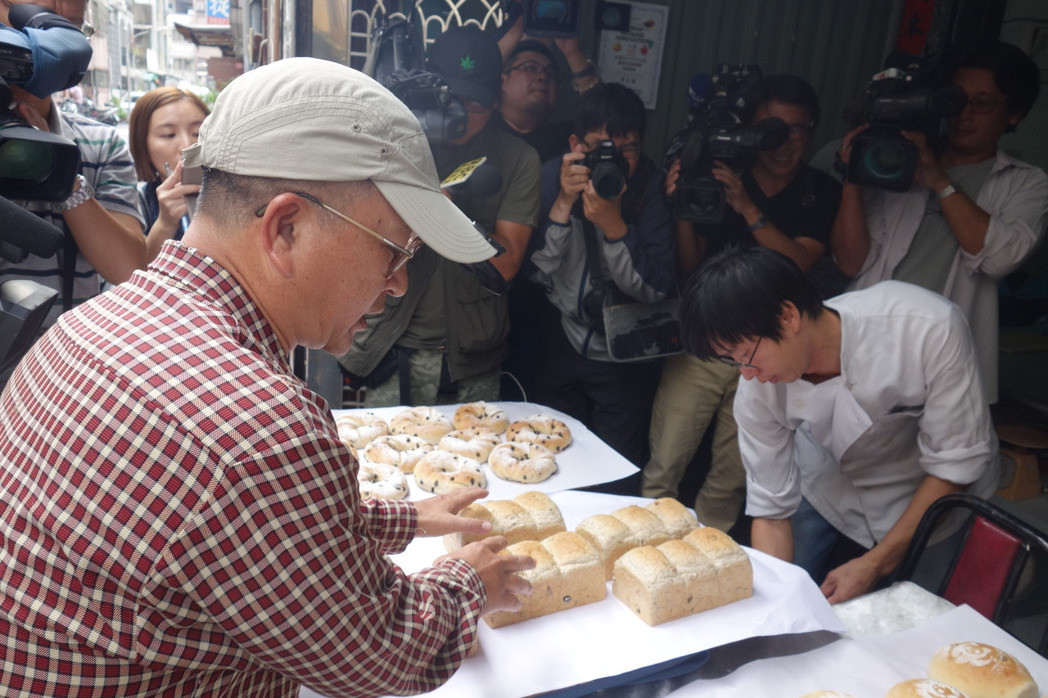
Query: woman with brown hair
point(164, 122)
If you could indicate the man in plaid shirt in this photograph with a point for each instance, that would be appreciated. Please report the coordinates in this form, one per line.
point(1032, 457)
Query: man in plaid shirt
point(177, 514)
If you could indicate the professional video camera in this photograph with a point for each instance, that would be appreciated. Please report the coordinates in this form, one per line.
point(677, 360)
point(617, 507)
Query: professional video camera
point(397, 61)
point(896, 100)
point(718, 129)
point(608, 169)
point(42, 53)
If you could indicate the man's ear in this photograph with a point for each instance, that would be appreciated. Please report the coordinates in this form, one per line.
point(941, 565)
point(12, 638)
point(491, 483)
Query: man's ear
point(281, 229)
point(790, 317)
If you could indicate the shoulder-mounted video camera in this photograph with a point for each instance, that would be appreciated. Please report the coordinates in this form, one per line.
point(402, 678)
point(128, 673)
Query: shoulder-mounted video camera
point(896, 100)
point(42, 53)
point(397, 61)
point(718, 129)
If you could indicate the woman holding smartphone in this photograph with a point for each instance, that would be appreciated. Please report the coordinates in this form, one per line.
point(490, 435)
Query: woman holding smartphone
point(163, 123)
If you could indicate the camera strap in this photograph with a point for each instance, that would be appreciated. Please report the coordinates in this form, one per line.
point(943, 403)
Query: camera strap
point(69, 255)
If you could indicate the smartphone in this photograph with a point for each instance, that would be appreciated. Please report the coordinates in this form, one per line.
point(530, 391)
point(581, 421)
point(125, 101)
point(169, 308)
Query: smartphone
point(191, 175)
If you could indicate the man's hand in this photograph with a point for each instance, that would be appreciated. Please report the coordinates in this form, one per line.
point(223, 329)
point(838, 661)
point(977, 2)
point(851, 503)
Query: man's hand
point(853, 578)
point(498, 572)
point(672, 177)
point(606, 214)
point(439, 515)
point(734, 192)
point(929, 172)
point(573, 181)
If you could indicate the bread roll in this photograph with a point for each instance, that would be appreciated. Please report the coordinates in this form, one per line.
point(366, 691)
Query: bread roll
point(923, 688)
point(528, 516)
point(633, 526)
point(982, 671)
point(703, 570)
point(568, 573)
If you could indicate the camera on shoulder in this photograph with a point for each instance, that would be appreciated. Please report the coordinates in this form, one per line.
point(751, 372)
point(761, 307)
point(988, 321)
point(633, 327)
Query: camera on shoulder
point(722, 105)
point(897, 100)
point(608, 169)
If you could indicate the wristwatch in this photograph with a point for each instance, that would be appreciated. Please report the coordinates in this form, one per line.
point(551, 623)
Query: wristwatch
point(756, 225)
point(951, 188)
point(85, 192)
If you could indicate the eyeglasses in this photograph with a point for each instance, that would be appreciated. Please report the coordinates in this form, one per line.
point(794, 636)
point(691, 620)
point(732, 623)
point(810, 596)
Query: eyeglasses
point(533, 69)
point(984, 104)
point(401, 255)
point(742, 364)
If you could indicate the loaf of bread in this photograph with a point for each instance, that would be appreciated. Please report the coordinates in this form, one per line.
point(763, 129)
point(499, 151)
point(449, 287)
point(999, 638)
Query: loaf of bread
point(568, 572)
point(982, 671)
point(923, 688)
point(633, 526)
point(528, 516)
point(703, 570)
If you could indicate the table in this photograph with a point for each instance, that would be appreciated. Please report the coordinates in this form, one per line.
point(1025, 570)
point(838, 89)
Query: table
point(864, 666)
point(587, 461)
point(606, 639)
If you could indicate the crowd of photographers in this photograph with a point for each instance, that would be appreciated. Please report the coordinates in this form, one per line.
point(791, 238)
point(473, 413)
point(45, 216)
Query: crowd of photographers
point(596, 239)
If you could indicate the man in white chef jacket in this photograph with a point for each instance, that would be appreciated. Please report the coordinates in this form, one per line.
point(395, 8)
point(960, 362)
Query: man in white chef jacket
point(855, 413)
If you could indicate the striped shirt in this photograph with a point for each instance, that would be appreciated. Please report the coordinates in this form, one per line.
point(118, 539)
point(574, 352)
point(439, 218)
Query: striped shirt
point(178, 516)
point(106, 164)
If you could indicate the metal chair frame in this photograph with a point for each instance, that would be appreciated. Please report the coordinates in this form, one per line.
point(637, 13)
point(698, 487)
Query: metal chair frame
point(984, 516)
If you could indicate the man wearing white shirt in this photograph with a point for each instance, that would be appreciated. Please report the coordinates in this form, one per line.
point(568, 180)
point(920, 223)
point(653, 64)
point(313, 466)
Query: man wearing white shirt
point(855, 413)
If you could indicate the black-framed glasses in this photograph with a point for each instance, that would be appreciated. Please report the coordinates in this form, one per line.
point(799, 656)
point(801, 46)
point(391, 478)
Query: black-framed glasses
point(533, 69)
point(742, 364)
point(984, 104)
point(401, 255)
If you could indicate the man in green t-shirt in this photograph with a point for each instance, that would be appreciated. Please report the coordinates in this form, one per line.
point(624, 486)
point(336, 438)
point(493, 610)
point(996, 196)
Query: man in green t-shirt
point(445, 339)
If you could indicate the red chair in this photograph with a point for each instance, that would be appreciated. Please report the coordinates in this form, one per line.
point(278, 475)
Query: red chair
point(995, 567)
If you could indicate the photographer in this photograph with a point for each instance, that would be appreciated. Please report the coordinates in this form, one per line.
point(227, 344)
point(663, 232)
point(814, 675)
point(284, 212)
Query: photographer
point(100, 218)
point(973, 214)
point(631, 231)
point(448, 324)
point(780, 203)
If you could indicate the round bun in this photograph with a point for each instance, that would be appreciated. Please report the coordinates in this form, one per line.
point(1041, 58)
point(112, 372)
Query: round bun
point(381, 481)
point(358, 429)
point(982, 670)
point(441, 472)
point(401, 450)
point(522, 462)
point(923, 688)
point(423, 422)
point(480, 414)
point(472, 442)
point(542, 430)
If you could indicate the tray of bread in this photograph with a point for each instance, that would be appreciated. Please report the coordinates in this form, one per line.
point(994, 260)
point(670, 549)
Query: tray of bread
point(621, 583)
point(506, 447)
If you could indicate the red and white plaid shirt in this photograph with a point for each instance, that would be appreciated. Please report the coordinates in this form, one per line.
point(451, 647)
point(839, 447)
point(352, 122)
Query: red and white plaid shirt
point(179, 518)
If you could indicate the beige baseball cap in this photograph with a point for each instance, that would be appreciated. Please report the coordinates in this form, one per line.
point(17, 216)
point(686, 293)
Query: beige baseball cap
point(310, 119)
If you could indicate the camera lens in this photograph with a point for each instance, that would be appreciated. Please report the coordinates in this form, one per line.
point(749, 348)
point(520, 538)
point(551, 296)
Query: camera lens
point(887, 160)
point(24, 162)
point(556, 10)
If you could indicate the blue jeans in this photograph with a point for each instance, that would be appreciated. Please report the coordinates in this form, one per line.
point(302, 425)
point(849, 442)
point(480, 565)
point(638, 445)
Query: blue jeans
point(814, 539)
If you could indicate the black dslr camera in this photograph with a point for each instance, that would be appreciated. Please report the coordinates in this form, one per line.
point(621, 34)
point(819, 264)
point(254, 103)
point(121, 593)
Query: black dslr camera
point(898, 100)
point(718, 130)
point(608, 169)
